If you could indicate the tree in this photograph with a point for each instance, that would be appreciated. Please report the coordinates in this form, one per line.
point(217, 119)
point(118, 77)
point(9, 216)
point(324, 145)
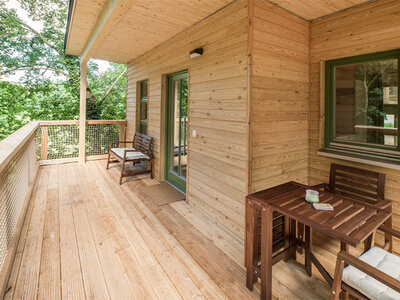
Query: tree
point(49, 89)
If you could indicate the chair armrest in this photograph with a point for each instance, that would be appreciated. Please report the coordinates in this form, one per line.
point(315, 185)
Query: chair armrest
point(121, 142)
point(323, 186)
point(390, 231)
point(370, 270)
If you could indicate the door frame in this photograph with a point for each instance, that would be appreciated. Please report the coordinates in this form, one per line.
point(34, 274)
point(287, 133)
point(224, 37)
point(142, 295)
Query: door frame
point(173, 179)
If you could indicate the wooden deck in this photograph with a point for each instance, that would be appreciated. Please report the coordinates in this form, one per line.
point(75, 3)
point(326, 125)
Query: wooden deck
point(85, 236)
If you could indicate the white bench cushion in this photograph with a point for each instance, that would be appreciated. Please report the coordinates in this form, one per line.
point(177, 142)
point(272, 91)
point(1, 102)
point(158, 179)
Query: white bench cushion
point(129, 155)
point(370, 287)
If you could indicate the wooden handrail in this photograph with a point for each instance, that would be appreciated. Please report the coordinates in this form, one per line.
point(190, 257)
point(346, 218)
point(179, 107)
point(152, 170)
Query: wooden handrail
point(106, 122)
point(59, 123)
point(76, 122)
point(11, 144)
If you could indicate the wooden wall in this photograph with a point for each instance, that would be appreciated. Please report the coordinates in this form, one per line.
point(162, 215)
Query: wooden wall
point(217, 109)
point(279, 96)
point(366, 29)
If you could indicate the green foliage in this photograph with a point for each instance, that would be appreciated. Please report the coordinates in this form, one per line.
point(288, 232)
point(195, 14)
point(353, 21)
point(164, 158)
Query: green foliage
point(49, 89)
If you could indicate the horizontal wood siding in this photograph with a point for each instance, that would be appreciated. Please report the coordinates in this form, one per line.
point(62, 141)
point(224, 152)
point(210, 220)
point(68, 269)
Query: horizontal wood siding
point(217, 109)
point(366, 29)
point(279, 96)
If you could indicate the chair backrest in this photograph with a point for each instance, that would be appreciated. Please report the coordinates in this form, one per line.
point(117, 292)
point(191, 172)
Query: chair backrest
point(359, 184)
point(143, 142)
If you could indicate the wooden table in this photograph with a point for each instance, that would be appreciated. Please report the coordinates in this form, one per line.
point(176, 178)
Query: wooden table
point(350, 222)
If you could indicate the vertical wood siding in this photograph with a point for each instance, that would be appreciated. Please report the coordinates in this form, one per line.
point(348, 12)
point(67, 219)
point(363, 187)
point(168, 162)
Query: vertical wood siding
point(279, 96)
point(217, 109)
point(366, 29)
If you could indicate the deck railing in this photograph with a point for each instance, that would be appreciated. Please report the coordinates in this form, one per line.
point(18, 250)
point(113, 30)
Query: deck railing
point(58, 141)
point(41, 143)
point(18, 170)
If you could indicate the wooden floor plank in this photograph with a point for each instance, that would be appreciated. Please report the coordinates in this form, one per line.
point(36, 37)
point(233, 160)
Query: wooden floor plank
point(118, 284)
point(223, 240)
point(171, 265)
point(114, 224)
point(71, 272)
point(86, 236)
point(49, 280)
point(92, 274)
point(208, 288)
point(114, 275)
point(220, 268)
point(28, 276)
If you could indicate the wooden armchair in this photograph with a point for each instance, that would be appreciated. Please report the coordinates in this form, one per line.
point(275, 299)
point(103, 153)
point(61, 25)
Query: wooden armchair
point(374, 275)
point(359, 184)
point(141, 150)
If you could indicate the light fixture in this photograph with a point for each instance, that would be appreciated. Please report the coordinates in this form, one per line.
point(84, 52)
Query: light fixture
point(196, 52)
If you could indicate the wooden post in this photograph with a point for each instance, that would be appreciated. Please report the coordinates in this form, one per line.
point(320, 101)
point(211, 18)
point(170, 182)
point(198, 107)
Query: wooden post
point(44, 138)
point(121, 133)
point(82, 114)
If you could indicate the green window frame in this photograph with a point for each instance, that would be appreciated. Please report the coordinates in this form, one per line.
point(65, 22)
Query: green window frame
point(330, 141)
point(142, 103)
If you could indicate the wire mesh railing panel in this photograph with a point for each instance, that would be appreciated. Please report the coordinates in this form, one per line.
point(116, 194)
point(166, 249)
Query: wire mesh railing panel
point(38, 140)
point(99, 136)
point(62, 141)
point(15, 180)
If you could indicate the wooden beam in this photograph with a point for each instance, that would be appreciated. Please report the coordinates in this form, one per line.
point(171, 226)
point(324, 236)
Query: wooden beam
point(82, 114)
point(112, 13)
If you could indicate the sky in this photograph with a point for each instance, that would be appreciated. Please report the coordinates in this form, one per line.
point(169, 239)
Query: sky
point(102, 65)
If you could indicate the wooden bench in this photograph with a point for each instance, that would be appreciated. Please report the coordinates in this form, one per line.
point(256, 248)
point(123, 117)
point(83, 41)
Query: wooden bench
point(141, 151)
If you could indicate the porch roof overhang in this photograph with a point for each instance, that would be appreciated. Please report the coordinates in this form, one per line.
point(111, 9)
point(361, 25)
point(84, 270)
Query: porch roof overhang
point(121, 30)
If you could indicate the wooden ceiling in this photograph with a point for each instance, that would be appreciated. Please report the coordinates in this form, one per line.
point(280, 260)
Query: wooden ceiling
point(144, 25)
point(313, 9)
point(121, 30)
point(83, 20)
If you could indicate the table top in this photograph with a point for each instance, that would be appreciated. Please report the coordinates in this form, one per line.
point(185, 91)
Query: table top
point(350, 221)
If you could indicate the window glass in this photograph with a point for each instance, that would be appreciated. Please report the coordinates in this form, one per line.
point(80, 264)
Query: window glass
point(142, 114)
point(365, 102)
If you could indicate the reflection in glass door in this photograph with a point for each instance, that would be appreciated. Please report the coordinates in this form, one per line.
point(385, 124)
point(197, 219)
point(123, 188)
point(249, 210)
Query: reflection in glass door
point(177, 129)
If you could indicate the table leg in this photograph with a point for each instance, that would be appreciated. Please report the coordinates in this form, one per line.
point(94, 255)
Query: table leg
point(288, 240)
point(266, 252)
point(346, 248)
point(308, 250)
point(293, 237)
point(300, 234)
point(369, 242)
point(251, 231)
point(388, 237)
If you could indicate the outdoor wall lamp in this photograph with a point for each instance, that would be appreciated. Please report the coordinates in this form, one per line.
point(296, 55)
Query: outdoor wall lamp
point(196, 52)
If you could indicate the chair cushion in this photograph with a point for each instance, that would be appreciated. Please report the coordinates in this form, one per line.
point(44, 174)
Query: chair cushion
point(370, 287)
point(129, 155)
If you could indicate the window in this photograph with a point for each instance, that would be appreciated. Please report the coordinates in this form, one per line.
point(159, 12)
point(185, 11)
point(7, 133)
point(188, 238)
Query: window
point(362, 109)
point(142, 107)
